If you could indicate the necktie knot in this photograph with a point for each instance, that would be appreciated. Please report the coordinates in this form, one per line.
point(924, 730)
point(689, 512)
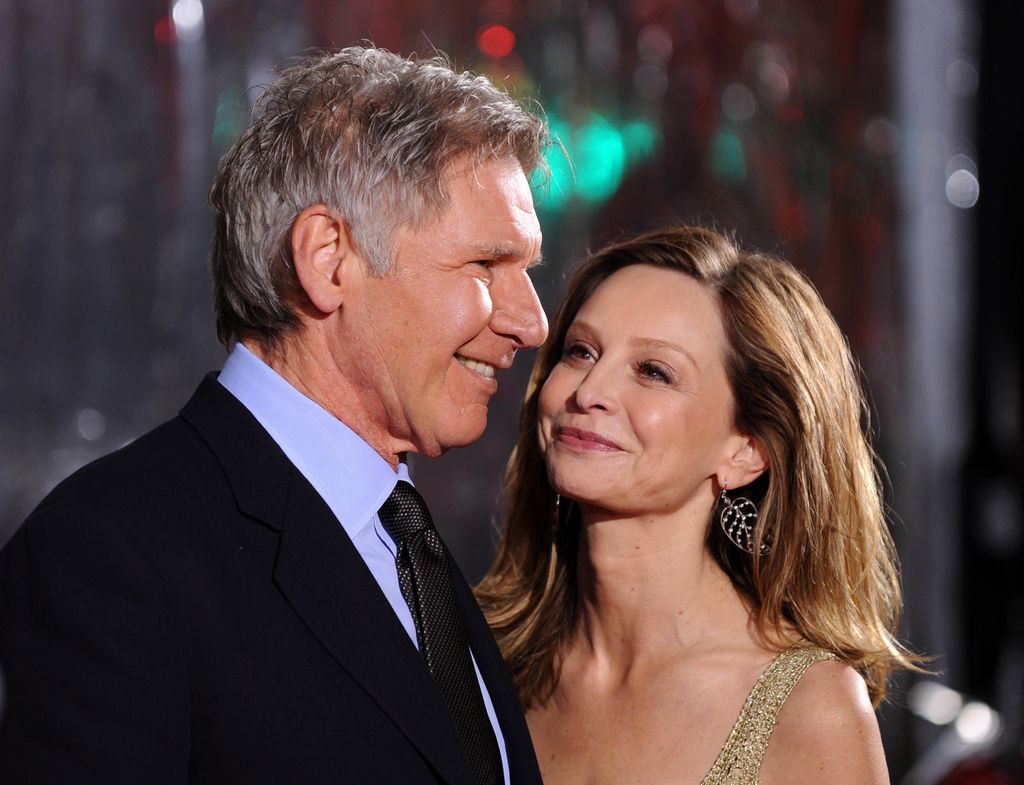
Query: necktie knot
point(404, 514)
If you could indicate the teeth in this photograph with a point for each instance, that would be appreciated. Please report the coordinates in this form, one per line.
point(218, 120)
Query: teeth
point(475, 365)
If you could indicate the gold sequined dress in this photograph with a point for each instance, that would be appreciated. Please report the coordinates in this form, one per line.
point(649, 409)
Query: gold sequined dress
point(740, 759)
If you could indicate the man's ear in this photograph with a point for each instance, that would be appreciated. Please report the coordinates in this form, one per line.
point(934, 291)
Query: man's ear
point(320, 248)
point(747, 462)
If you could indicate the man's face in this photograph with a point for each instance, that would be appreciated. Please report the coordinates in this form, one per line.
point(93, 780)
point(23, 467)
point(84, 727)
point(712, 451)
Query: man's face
point(424, 342)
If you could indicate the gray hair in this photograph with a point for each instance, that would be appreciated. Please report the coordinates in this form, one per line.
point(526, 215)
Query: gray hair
point(371, 135)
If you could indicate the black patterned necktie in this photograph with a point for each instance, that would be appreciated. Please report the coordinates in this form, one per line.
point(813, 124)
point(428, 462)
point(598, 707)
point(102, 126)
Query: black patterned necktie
point(425, 578)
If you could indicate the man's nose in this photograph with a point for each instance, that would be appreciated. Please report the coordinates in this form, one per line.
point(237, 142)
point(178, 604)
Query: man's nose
point(518, 313)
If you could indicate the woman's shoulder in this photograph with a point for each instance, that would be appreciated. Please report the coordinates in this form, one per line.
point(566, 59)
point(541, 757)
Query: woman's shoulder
point(826, 731)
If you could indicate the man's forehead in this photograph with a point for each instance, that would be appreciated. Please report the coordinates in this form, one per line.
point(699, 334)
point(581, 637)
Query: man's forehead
point(493, 176)
point(490, 207)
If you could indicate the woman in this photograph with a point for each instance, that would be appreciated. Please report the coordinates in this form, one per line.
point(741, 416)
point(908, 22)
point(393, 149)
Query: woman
point(695, 551)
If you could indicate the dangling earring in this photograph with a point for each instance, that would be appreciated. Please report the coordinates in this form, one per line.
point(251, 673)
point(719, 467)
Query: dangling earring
point(558, 514)
point(738, 517)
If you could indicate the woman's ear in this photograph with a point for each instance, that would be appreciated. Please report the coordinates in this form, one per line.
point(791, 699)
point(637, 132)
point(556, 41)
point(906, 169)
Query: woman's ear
point(320, 247)
point(747, 462)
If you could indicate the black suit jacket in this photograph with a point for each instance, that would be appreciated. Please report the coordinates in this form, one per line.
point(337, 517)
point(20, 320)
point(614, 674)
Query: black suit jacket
point(188, 609)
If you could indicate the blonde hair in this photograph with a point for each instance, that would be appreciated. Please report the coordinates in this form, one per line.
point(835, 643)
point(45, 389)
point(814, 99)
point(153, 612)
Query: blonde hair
point(831, 573)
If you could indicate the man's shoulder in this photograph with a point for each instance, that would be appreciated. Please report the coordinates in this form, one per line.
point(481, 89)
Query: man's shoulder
point(149, 471)
point(173, 456)
point(170, 473)
point(148, 461)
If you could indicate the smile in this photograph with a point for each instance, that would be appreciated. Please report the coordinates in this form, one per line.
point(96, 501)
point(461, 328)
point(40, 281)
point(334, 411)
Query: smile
point(585, 440)
point(482, 368)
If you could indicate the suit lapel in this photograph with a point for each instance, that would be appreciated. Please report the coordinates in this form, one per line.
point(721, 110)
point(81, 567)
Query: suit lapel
point(333, 592)
point(324, 579)
point(522, 761)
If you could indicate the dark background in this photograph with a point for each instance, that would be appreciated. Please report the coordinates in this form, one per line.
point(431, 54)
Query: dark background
point(850, 137)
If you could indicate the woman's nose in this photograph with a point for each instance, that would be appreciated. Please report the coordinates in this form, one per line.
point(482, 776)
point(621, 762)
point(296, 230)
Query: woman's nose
point(596, 390)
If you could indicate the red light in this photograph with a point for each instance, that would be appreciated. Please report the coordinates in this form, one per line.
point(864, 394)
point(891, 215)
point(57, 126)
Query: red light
point(163, 31)
point(496, 41)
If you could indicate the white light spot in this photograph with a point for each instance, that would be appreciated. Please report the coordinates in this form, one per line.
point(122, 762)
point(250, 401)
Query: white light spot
point(738, 103)
point(962, 189)
point(977, 723)
point(774, 81)
point(91, 424)
point(188, 19)
point(934, 702)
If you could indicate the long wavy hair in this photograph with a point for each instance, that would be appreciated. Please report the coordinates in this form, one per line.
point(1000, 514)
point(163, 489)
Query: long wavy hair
point(831, 573)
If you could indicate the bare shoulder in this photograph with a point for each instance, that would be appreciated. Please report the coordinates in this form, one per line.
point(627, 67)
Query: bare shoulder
point(827, 732)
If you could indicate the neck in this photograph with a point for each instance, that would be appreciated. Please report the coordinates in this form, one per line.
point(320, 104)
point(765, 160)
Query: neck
point(649, 588)
point(305, 362)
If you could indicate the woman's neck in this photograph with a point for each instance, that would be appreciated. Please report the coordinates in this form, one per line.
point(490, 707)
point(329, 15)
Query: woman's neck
point(648, 589)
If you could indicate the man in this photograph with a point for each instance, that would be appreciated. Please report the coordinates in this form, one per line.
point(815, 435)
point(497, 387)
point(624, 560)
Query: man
point(232, 597)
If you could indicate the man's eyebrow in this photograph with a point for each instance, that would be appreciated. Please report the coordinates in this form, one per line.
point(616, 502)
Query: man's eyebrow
point(504, 252)
point(654, 343)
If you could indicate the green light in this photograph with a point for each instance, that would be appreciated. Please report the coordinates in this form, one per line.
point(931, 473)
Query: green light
point(600, 158)
point(640, 138)
point(561, 180)
point(229, 120)
point(595, 159)
point(728, 160)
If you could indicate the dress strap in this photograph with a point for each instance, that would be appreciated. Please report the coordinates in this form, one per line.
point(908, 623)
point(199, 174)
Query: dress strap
point(740, 759)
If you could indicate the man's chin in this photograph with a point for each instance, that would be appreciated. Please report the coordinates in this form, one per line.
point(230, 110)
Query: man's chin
point(458, 427)
point(466, 430)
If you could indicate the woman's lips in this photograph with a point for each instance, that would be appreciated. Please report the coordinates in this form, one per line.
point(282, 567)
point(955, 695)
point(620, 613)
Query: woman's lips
point(585, 440)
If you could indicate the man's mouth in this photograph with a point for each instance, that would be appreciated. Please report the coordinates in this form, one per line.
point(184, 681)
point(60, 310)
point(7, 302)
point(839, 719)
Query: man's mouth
point(482, 368)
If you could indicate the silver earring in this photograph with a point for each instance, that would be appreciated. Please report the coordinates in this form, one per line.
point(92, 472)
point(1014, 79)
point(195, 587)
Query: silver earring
point(738, 518)
point(558, 513)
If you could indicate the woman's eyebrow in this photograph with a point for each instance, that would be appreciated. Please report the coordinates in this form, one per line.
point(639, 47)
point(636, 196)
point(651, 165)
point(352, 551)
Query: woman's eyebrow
point(656, 343)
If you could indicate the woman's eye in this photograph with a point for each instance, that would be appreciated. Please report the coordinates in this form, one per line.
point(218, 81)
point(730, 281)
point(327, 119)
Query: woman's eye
point(577, 351)
point(654, 372)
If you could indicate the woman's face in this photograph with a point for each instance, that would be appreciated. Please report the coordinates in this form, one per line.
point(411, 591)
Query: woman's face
point(636, 417)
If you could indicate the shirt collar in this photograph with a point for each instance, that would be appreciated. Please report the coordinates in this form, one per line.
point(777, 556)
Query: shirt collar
point(348, 474)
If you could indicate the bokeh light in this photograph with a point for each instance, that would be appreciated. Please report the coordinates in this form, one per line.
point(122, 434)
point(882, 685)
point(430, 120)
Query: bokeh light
point(600, 159)
point(163, 31)
point(963, 189)
point(738, 103)
point(496, 41)
point(558, 157)
point(188, 19)
point(640, 139)
point(728, 159)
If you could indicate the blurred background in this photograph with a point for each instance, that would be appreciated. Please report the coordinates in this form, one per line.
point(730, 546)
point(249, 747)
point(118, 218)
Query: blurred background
point(875, 144)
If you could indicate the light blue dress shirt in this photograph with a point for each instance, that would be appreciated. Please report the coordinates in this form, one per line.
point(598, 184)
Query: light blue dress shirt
point(348, 474)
